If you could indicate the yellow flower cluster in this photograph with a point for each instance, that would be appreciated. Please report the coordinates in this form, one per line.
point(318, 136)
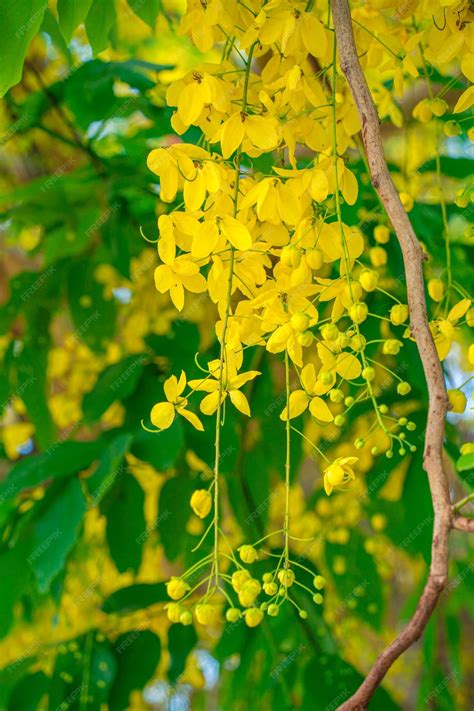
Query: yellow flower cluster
point(258, 228)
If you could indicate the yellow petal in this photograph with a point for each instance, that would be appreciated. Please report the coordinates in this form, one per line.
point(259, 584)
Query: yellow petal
point(209, 403)
point(171, 388)
point(347, 366)
point(162, 415)
point(319, 186)
point(192, 418)
point(297, 404)
point(465, 101)
point(237, 234)
point(350, 187)
point(262, 131)
point(239, 400)
point(163, 278)
point(320, 410)
point(459, 310)
point(177, 295)
point(205, 240)
point(232, 134)
point(313, 35)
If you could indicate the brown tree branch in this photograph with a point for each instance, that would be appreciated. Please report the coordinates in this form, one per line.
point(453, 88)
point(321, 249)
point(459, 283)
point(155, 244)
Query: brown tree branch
point(463, 523)
point(438, 403)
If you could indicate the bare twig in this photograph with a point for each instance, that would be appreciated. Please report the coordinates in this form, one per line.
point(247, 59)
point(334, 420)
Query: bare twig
point(438, 404)
point(463, 523)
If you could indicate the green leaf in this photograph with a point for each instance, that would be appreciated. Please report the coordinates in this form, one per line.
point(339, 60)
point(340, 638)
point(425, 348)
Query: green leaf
point(161, 449)
point(55, 533)
point(28, 692)
point(358, 587)
point(146, 10)
point(125, 523)
point(70, 686)
point(135, 597)
point(110, 466)
point(20, 21)
point(116, 382)
point(465, 462)
point(137, 654)
point(15, 576)
point(181, 640)
point(100, 19)
point(93, 315)
point(71, 14)
point(60, 460)
point(173, 513)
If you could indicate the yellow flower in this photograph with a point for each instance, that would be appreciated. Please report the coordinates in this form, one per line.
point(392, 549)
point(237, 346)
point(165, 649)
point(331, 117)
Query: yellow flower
point(231, 382)
point(180, 274)
point(457, 400)
point(286, 577)
point(248, 554)
point(338, 473)
point(207, 614)
point(201, 502)
point(398, 314)
point(443, 330)
point(163, 413)
point(249, 592)
point(253, 616)
point(176, 588)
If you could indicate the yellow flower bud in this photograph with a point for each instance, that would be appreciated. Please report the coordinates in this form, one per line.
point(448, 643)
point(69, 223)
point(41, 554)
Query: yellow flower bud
point(270, 588)
point(381, 234)
point(368, 279)
point(378, 256)
point(290, 256)
point(452, 128)
point(398, 314)
point(422, 111)
point(358, 312)
point(300, 321)
point(273, 610)
point(436, 289)
point(239, 578)
point(403, 388)
point(176, 588)
point(457, 400)
point(186, 618)
point(470, 318)
point(358, 342)
point(319, 582)
point(207, 614)
point(305, 339)
point(314, 258)
point(392, 346)
point(329, 332)
point(174, 611)
point(233, 614)
point(249, 592)
point(248, 554)
point(286, 577)
point(438, 106)
point(368, 374)
point(201, 502)
point(253, 616)
point(407, 201)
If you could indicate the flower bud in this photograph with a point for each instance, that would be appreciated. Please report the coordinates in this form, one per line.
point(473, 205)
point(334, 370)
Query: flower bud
point(319, 582)
point(403, 388)
point(314, 258)
point(305, 339)
point(233, 614)
point(286, 577)
point(186, 618)
point(378, 256)
point(358, 312)
point(201, 502)
point(299, 321)
point(398, 314)
point(438, 106)
point(329, 332)
point(176, 588)
point(392, 346)
point(248, 554)
point(253, 616)
point(436, 289)
point(239, 578)
point(451, 129)
point(368, 373)
point(457, 400)
point(290, 256)
point(273, 610)
point(381, 234)
point(368, 279)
